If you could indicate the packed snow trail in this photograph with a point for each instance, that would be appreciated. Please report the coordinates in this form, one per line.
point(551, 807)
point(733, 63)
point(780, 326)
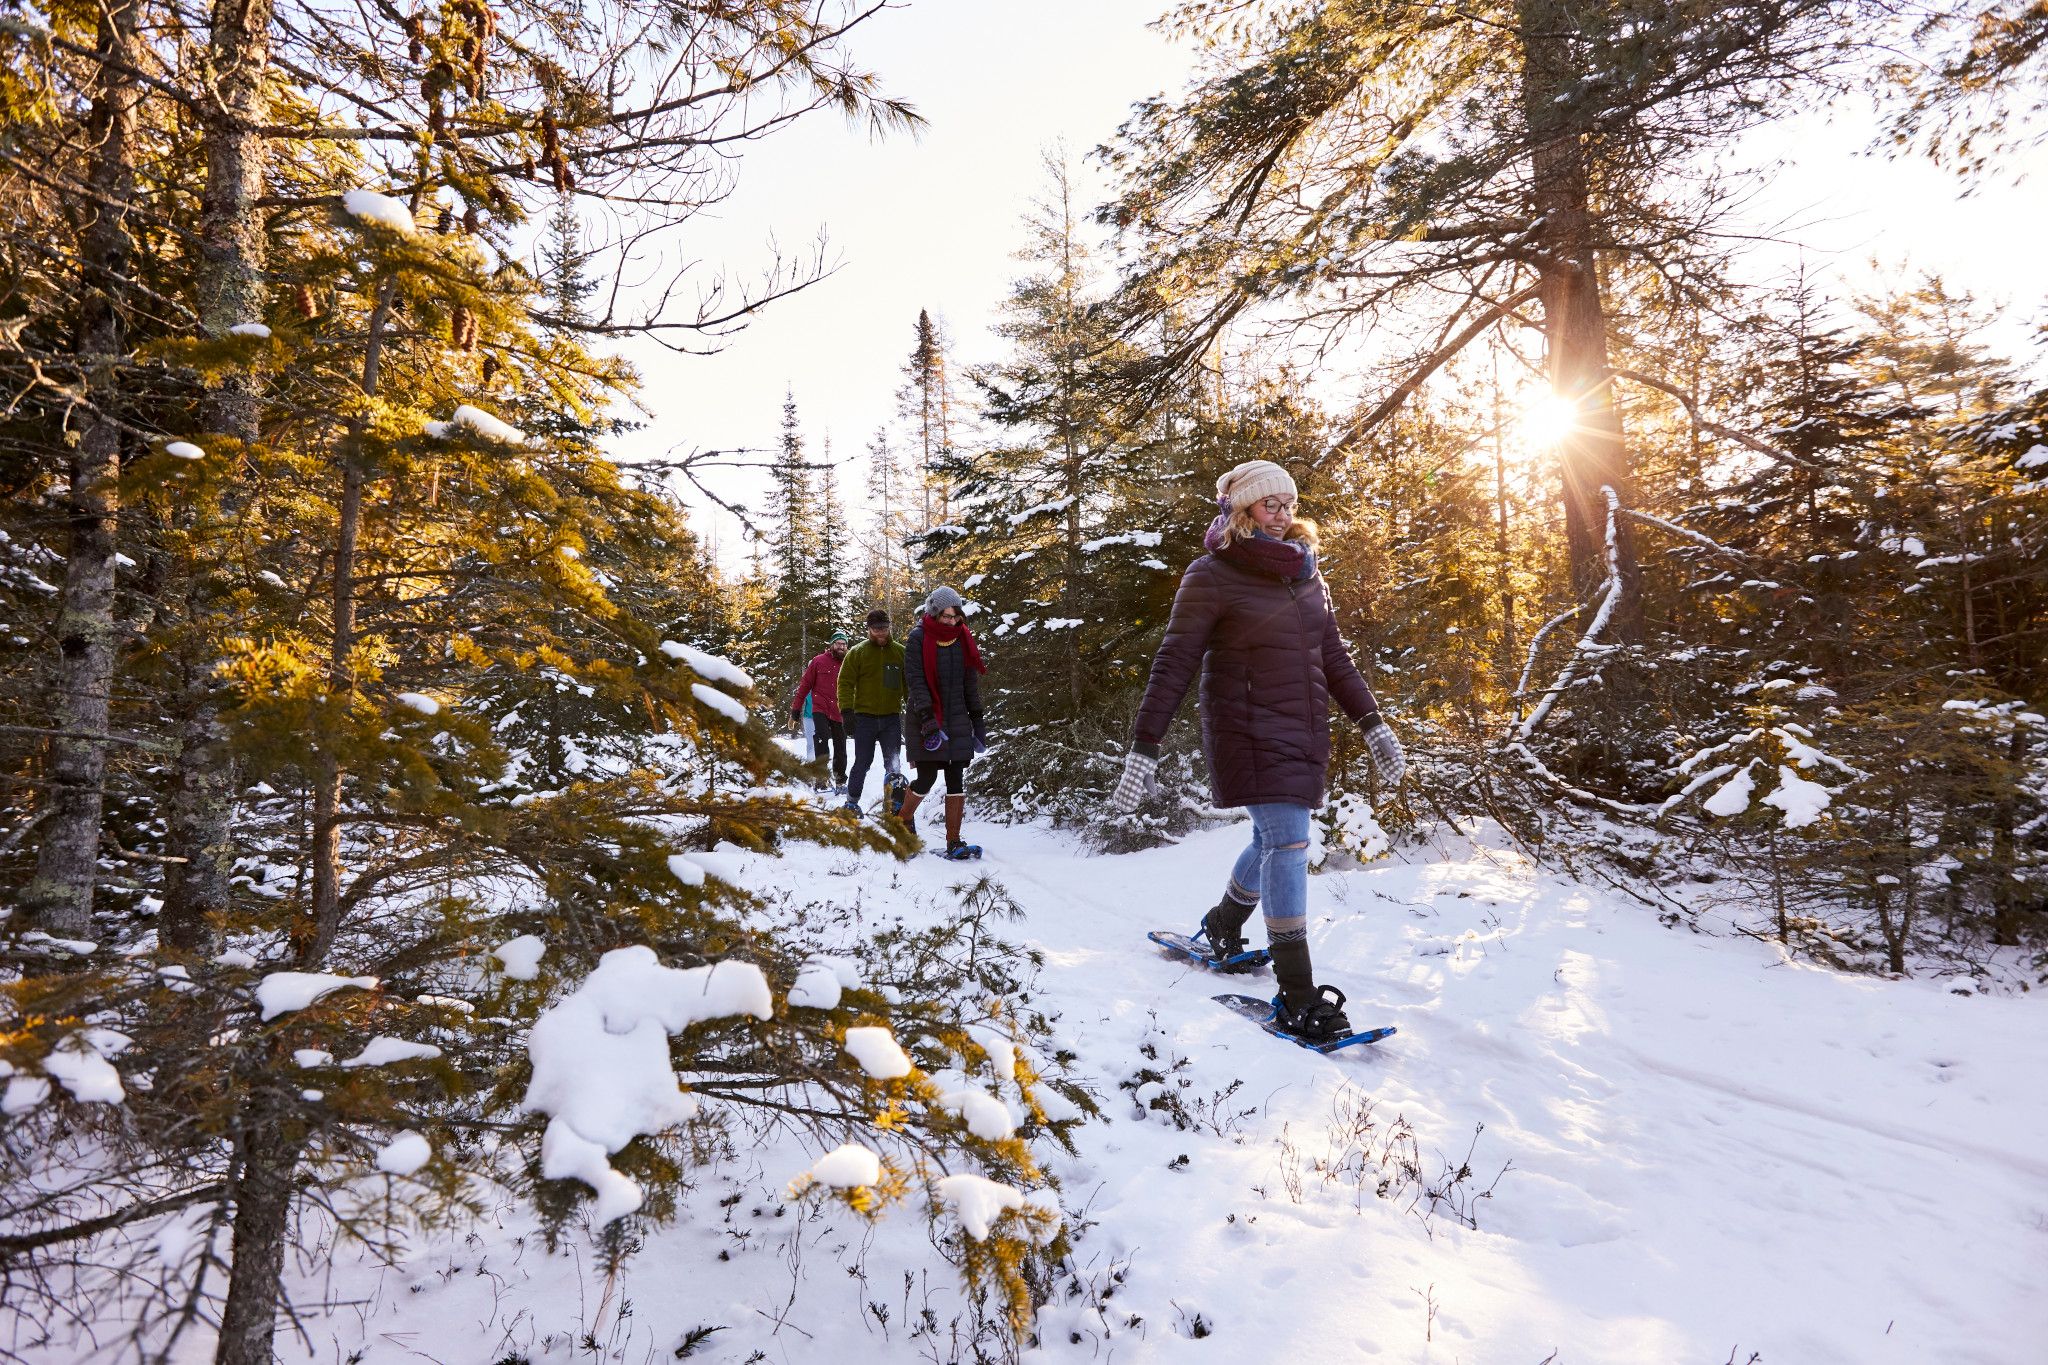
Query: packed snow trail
point(1714, 1151)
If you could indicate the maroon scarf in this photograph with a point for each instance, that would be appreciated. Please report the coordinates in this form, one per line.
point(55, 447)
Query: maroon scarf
point(1287, 560)
point(936, 633)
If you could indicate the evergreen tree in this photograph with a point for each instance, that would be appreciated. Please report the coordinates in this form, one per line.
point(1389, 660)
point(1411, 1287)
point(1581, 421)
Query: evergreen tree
point(925, 406)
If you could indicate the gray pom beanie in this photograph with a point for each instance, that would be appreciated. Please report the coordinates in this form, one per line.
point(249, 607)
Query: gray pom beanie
point(941, 598)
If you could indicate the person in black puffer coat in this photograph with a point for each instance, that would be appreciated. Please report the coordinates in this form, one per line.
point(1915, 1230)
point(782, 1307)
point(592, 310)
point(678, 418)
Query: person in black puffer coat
point(1254, 619)
point(942, 681)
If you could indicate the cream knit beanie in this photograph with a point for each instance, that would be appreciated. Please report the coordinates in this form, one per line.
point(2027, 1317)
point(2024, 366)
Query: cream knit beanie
point(1252, 481)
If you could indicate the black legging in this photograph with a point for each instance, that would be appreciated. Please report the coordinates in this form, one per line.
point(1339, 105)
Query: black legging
point(928, 773)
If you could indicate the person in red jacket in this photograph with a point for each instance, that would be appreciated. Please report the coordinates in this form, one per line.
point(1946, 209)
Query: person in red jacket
point(820, 684)
point(1254, 620)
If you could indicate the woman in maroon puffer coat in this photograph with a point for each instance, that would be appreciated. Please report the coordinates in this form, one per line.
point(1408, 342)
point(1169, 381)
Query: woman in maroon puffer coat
point(1254, 618)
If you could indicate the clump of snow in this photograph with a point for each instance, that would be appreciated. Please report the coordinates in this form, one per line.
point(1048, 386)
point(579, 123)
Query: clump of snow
point(380, 209)
point(420, 702)
point(79, 946)
point(249, 329)
point(687, 871)
point(978, 1201)
point(283, 992)
point(710, 667)
point(601, 1065)
point(1801, 801)
point(23, 1094)
point(726, 706)
point(521, 957)
point(1001, 1050)
point(236, 957)
point(475, 419)
point(1733, 796)
point(404, 1154)
point(184, 450)
point(877, 1052)
point(79, 1064)
point(987, 1117)
point(310, 1057)
point(817, 987)
point(847, 1167)
point(383, 1050)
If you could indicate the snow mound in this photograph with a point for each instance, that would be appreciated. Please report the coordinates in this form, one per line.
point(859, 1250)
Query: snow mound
point(847, 1167)
point(978, 1201)
point(80, 1065)
point(1733, 796)
point(726, 706)
point(474, 419)
point(601, 1066)
point(687, 871)
point(383, 1050)
point(184, 450)
point(420, 702)
point(521, 957)
point(878, 1053)
point(710, 667)
point(1801, 801)
point(380, 209)
point(404, 1154)
point(283, 992)
point(817, 987)
point(23, 1094)
point(987, 1117)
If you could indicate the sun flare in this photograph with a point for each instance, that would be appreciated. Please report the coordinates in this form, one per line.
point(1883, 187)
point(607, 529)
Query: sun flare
point(1547, 420)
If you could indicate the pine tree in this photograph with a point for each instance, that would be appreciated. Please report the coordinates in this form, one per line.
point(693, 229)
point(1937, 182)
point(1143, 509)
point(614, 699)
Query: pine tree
point(925, 406)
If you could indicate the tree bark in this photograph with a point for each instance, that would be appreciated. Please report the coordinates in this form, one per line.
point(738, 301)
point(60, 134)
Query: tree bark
point(232, 290)
point(262, 1192)
point(59, 898)
point(1594, 454)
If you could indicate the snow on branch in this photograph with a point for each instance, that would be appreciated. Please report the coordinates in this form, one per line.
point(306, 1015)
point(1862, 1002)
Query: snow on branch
point(1683, 533)
point(1589, 643)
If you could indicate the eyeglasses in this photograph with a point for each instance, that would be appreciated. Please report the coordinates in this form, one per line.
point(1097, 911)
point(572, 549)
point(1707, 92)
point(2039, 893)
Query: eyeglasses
point(1273, 507)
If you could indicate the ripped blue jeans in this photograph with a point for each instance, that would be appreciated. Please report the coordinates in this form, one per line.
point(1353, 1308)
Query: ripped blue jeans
point(1273, 869)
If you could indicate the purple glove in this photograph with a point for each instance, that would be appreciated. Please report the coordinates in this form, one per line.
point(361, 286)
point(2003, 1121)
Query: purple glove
point(935, 741)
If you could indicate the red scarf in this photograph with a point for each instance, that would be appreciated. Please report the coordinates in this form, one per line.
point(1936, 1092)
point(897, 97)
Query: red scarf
point(936, 633)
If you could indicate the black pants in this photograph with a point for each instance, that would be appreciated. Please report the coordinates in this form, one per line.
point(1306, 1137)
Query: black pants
point(870, 733)
point(826, 730)
point(928, 773)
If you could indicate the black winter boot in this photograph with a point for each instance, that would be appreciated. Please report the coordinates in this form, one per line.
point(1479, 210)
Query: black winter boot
point(1223, 926)
point(1318, 1018)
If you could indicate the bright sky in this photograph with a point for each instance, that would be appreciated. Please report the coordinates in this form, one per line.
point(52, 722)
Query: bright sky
point(933, 222)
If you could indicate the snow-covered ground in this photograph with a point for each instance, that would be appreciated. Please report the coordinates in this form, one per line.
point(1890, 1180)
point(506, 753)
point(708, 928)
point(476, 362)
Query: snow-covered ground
point(1710, 1153)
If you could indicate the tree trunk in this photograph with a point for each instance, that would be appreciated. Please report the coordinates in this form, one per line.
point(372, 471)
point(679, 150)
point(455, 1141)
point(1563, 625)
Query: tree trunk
point(1593, 454)
point(59, 898)
point(232, 290)
point(262, 1193)
point(314, 933)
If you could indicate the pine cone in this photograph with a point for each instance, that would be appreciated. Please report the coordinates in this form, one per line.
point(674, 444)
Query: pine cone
point(490, 367)
point(470, 220)
point(303, 296)
point(447, 220)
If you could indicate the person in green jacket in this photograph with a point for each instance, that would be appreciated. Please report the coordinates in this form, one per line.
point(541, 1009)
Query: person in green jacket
point(871, 699)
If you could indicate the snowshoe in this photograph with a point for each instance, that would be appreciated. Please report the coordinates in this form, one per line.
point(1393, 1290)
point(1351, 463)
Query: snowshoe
point(1207, 954)
point(1267, 1015)
point(961, 853)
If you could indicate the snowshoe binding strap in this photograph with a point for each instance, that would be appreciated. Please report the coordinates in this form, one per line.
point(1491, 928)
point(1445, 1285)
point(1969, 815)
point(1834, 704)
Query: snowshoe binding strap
point(1319, 1019)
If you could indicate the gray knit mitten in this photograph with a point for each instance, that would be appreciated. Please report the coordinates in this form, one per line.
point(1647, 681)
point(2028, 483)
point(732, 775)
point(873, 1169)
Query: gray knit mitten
point(1388, 760)
point(1140, 779)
